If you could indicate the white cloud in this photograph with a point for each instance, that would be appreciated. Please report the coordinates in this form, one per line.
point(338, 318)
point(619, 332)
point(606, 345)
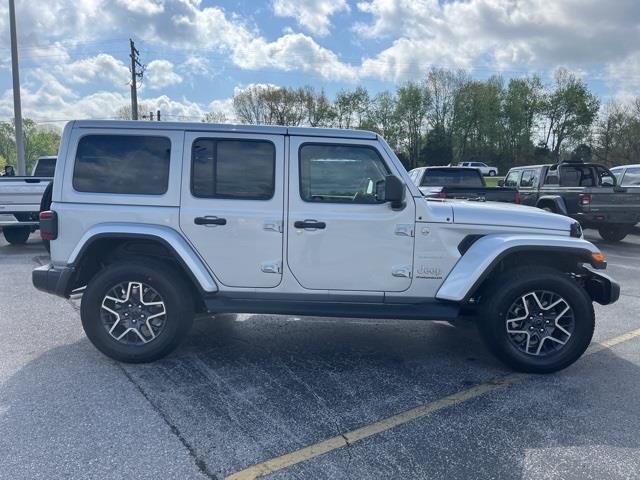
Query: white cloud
point(160, 74)
point(497, 34)
point(295, 51)
point(314, 15)
point(102, 68)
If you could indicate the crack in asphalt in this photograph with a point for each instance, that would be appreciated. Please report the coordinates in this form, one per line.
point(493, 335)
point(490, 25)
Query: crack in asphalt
point(199, 462)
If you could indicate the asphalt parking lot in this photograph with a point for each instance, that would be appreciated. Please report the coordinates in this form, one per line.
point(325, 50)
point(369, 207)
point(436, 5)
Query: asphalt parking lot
point(378, 399)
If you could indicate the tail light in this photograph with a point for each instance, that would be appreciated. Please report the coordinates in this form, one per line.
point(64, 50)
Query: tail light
point(48, 225)
point(441, 195)
point(585, 199)
point(518, 198)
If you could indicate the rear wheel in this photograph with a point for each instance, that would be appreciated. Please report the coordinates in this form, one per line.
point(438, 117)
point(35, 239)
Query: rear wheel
point(614, 233)
point(537, 319)
point(137, 311)
point(16, 235)
point(492, 173)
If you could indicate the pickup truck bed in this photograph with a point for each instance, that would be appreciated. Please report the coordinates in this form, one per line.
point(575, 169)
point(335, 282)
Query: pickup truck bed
point(459, 183)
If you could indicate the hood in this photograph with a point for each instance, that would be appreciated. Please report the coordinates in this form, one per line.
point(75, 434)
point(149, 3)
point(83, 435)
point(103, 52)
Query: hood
point(509, 215)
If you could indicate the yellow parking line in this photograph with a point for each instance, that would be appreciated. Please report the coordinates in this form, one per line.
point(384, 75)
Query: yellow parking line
point(326, 446)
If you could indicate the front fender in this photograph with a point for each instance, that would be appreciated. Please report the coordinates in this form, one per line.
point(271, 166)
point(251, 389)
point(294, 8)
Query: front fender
point(481, 258)
point(165, 235)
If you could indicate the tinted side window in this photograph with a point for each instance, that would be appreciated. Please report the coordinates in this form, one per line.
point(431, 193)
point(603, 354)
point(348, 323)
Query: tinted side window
point(529, 178)
point(128, 164)
point(512, 179)
point(45, 167)
point(631, 177)
point(241, 169)
point(341, 174)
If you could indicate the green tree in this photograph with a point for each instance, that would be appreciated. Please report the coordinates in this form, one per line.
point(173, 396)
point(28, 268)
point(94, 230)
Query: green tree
point(38, 141)
point(412, 106)
point(522, 103)
point(383, 117)
point(568, 112)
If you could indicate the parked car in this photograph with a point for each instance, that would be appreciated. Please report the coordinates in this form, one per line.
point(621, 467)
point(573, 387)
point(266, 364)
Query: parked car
point(587, 192)
point(483, 167)
point(153, 222)
point(627, 176)
point(20, 200)
point(461, 183)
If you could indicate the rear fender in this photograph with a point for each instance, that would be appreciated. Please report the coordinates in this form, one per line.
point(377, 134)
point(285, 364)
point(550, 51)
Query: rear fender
point(556, 200)
point(171, 239)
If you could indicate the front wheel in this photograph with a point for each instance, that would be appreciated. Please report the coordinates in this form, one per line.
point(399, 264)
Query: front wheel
point(537, 319)
point(492, 173)
point(137, 311)
point(614, 233)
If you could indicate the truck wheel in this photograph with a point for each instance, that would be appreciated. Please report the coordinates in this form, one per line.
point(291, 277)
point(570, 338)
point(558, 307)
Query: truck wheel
point(16, 235)
point(537, 319)
point(613, 233)
point(137, 311)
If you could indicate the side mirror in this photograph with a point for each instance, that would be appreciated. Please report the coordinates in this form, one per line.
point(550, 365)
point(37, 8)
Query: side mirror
point(394, 192)
point(501, 183)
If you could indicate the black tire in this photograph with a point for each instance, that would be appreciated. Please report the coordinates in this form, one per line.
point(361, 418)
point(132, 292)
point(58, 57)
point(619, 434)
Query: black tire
point(614, 233)
point(45, 204)
point(492, 173)
point(16, 235)
point(506, 289)
point(173, 291)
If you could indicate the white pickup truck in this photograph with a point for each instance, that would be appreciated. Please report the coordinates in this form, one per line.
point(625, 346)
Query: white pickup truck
point(153, 222)
point(20, 200)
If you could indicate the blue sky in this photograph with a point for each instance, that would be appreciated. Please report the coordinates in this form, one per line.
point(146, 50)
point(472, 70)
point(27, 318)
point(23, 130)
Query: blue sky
point(74, 54)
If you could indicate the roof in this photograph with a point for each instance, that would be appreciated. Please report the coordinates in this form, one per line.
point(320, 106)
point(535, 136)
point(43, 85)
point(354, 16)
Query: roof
point(215, 127)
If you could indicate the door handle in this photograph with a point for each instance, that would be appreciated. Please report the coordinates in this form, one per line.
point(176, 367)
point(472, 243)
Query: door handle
point(210, 221)
point(309, 224)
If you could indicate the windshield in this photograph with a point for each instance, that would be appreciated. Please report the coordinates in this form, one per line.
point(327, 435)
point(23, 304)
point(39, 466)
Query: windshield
point(451, 177)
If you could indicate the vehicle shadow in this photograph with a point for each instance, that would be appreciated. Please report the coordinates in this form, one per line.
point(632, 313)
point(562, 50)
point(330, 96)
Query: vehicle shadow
point(243, 389)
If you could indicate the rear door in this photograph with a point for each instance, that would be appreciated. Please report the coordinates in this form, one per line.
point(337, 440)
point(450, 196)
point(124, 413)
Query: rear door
point(232, 205)
point(341, 235)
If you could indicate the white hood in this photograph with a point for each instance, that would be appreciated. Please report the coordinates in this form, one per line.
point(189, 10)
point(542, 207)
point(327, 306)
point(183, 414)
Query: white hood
point(508, 214)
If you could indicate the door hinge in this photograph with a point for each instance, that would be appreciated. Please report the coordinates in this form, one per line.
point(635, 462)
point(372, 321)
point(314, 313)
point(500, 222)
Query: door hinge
point(401, 271)
point(404, 229)
point(273, 225)
point(271, 267)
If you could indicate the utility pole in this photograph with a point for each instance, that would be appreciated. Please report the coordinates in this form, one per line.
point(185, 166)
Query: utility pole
point(134, 79)
point(17, 109)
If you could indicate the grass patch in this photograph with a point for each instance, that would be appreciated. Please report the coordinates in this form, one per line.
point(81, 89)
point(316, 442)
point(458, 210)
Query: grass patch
point(492, 181)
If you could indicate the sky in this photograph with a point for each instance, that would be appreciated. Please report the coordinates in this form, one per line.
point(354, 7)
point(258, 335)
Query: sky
point(74, 54)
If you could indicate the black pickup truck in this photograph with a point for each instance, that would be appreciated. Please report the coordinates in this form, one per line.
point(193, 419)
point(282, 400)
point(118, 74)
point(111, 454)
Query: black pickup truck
point(459, 182)
point(587, 192)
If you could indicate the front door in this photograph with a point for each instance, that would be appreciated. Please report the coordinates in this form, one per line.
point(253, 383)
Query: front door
point(341, 234)
point(232, 205)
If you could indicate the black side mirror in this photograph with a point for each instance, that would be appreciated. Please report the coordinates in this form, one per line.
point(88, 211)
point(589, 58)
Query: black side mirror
point(501, 183)
point(394, 192)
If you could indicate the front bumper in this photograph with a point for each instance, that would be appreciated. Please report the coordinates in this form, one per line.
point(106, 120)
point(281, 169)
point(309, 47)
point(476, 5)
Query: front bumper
point(53, 280)
point(601, 288)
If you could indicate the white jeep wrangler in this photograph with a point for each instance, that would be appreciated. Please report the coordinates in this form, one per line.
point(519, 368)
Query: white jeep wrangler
point(154, 222)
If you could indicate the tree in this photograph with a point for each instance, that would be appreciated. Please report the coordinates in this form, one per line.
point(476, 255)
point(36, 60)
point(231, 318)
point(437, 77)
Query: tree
point(351, 107)
point(382, 117)
point(412, 106)
point(521, 105)
point(568, 111)
point(38, 141)
point(215, 117)
point(319, 112)
point(124, 112)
